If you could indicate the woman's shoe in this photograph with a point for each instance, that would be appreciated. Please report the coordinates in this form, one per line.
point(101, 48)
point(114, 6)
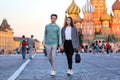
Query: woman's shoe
point(70, 72)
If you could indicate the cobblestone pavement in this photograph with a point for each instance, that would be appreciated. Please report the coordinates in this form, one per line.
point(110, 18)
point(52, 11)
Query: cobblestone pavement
point(92, 67)
point(9, 64)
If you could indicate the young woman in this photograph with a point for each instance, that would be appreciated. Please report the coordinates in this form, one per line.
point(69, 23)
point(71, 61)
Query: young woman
point(70, 41)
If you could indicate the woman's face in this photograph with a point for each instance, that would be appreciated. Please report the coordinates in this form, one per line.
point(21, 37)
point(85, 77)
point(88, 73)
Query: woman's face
point(68, 21)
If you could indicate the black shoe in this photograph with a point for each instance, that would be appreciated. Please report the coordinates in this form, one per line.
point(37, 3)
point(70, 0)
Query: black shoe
point(30, 58)
point(23, 57)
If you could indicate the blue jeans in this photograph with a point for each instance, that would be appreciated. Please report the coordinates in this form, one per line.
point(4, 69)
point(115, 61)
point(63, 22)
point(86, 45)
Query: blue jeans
point(23, 51)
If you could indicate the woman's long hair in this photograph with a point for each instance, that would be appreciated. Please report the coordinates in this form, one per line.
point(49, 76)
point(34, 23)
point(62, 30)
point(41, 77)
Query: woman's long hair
point(71, 23)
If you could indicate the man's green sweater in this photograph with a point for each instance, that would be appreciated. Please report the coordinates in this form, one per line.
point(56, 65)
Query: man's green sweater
point(52, 34)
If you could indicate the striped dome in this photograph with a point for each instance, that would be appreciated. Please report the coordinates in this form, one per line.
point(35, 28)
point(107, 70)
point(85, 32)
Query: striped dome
point(73, 8)
point(105, 17)
point(116, 5)
point(88, 8)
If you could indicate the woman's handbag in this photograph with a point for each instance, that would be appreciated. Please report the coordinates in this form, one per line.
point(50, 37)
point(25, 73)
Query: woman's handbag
point(77, 57)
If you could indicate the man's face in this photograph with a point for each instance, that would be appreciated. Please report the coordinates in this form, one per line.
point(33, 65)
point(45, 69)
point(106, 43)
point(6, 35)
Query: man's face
point(53, 19)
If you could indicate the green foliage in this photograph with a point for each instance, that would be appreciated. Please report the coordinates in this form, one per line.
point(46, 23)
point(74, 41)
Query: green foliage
point(111, 38)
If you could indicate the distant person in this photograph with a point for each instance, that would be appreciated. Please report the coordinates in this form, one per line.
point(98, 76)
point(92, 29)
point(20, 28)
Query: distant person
point(3, 51)
point(51, 41)
point(70, 41)
point(93, 47)
point(97, 48)
point(17, 51)
point(44, 50)
point(30, 45)
point(23, 44)
point(34, 49)
point(108, 46)
point(103, 47)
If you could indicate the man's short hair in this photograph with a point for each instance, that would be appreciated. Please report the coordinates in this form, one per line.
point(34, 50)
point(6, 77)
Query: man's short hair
point(54, 15)
point(31, 35)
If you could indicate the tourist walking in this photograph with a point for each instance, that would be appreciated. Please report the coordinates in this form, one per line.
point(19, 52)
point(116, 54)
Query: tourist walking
point(97, 48)
point(30, 46)
point(93, 47)
point(23, 44)
point(52, 41)
point(44, 50)
point(108, 46)
point(70, 41)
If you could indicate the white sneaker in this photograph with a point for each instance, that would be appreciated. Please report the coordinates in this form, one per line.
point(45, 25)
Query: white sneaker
point(45, 57)
point(68, 72)
point(71, 72)
point(53, 73)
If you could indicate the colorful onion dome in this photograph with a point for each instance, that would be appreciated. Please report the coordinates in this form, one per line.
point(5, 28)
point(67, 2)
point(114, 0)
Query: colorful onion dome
point(116, 5)
point(88, 8)
point(105, 16)
point(73, 8)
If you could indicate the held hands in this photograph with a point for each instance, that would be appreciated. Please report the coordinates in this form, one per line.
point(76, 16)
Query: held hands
point(61, 48)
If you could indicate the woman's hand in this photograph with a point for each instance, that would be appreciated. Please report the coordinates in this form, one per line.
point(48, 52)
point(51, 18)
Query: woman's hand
point(61, 48)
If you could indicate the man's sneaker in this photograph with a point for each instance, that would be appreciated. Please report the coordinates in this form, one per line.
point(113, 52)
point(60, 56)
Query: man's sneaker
point(53, 73)
point(45, 57)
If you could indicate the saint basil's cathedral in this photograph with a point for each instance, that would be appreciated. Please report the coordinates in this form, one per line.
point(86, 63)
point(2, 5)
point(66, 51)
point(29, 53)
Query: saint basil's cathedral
point(96, 24)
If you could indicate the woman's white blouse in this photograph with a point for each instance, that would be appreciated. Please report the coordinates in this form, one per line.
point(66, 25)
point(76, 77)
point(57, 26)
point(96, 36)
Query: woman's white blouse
point(68, 33)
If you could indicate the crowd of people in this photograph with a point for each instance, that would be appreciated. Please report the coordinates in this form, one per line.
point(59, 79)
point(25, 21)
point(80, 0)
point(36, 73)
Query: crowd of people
point(101, 47)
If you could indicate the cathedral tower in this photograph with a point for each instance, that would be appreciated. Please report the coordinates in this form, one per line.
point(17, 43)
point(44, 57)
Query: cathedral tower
point(99, 8)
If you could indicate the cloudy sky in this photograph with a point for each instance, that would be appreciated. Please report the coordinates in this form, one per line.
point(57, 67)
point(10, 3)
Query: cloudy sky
point(30, 16)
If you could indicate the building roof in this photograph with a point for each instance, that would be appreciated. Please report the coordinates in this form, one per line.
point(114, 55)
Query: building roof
point(5, 25)
point(116, 5)
point(105, 16)
point(73, 8)
point(78, 19)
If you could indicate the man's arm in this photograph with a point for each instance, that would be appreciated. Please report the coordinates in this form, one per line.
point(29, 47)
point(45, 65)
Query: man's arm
point(45, 32)
point(59, 37)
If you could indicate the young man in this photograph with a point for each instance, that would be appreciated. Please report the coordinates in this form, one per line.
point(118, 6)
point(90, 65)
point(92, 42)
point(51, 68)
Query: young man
point(51, 41)
point(30, 46)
